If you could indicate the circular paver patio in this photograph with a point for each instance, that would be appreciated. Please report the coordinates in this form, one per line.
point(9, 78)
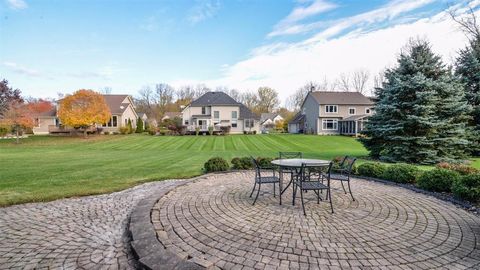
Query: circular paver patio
point(213, 220)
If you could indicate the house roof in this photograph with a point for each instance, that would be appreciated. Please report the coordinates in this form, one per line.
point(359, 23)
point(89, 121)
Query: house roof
point(340, 98)
point(245, 113)
point(141, 114)
point(172, 114)
point(265, 116)
point(214, 98)
point(297, 118)
point(115, 104)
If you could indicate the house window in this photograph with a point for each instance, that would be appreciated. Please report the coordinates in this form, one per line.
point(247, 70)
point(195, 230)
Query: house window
point(234, 119)
point(204, 110)
point(186, 122)
point(331, 108)
point(249, 123)
point(37, 122)
point(367, 111)
point(329, 124)
point(216, 116)
point(114, 121)
point(351, 111)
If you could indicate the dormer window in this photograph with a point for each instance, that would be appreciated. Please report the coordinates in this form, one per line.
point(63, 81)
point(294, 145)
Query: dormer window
point(331, 108)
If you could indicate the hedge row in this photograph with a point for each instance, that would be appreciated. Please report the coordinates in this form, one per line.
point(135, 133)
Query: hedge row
point(463, 181)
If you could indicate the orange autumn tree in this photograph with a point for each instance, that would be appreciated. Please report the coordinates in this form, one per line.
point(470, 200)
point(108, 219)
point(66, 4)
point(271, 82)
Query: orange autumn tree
point(17, 117)
point(83, 109)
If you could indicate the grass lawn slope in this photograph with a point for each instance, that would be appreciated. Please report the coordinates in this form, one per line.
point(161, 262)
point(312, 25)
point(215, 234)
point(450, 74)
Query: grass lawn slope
point(48, 168)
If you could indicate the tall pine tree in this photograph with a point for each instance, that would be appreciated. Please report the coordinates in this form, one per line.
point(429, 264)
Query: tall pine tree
point(468, 68)
point(420, 112)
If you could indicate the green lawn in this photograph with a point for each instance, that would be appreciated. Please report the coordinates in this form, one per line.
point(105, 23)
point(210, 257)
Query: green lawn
point(48, 168)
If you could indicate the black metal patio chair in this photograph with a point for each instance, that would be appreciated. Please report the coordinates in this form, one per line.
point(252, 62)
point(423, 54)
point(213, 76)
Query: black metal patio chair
point(261, 178)
point(313, 177)
point(343, 173)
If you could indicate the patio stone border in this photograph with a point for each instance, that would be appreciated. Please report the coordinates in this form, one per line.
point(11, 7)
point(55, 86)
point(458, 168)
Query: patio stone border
point(147, 249)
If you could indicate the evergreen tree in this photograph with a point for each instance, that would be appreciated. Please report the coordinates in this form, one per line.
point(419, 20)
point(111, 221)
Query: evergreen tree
point(420, 112)
point(468, 68)
point(129, 125)
point(139, 125)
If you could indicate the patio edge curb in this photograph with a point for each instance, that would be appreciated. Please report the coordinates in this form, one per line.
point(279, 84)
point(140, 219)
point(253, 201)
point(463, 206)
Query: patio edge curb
point(149, 251)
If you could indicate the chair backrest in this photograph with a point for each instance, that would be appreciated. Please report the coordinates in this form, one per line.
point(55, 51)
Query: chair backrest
point(308, 169)
point(257, 167)
point(284, 155)
point(347, 163)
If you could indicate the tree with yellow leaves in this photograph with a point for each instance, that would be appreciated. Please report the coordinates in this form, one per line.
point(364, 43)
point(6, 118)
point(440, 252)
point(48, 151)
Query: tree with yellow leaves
point(83, 109)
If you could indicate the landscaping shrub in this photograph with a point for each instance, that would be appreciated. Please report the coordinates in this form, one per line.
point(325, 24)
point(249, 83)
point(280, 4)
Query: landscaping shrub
point(243, 163)
point(129, 125)
point(401, 173)
point(371, 169)
point(460, 168)
point(467, 188)
point(139, 128)
point(438, 179)
point(265, 162)
point(124, 130)
point(4, 131)
point(216, 164)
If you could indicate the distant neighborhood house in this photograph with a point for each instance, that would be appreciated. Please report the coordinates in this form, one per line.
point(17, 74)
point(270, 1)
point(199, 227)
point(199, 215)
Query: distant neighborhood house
point(326, 113)
point(121, 107)
point(217, 109)
point(268, 120)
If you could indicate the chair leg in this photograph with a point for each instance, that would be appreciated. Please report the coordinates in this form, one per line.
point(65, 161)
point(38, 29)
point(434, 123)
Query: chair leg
point(350, 190)
point(258, 192)
point(254, 186)
point(294, 193)
point(344, 190)
point(280, 192)
point(274, 190)
point(330, 199)
point(303, 203)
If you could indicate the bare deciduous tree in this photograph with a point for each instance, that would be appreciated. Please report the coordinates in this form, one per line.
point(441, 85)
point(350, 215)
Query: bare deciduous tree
point(107, 90)
point(267, 100)
point(249, 99)
point(378, 80)
point(343, 82)
point(359, 80)
point(468, 24)
point(164, 95)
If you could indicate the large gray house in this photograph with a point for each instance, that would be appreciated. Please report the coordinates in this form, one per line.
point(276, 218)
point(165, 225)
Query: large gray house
point(217, 109)
point(326, 113)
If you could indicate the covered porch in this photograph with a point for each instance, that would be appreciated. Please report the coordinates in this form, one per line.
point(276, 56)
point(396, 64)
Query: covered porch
point(352, 125)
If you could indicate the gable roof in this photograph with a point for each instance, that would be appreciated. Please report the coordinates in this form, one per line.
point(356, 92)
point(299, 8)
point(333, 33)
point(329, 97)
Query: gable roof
point(245, 113)
point(265, 116)
point(115, 103)
point(214, 98)
point(50, 113)
point(297, 118)
point(340, 98)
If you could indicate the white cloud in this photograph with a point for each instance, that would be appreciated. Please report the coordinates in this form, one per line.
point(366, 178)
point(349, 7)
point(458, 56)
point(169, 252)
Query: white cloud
point(203, 9)
point(286, 67)
point(17, 4)
point(21, 69)
point(387, 12)
point(150, 24)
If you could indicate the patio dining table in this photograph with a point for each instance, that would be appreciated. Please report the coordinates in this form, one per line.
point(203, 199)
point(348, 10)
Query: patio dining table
point(295, 164)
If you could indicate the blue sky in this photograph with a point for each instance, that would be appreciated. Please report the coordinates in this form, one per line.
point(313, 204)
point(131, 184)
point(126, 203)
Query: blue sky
point(52, 46)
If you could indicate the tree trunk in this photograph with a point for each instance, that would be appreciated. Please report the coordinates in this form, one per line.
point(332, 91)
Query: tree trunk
point(85, 133)
point(18, 138)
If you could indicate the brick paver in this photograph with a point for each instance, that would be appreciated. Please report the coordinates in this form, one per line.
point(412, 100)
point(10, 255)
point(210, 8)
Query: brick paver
point(85, 233)
point(386, 227)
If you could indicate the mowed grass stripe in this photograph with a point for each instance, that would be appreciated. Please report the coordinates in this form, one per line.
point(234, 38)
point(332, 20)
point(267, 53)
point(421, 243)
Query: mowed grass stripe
point(48, 168)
